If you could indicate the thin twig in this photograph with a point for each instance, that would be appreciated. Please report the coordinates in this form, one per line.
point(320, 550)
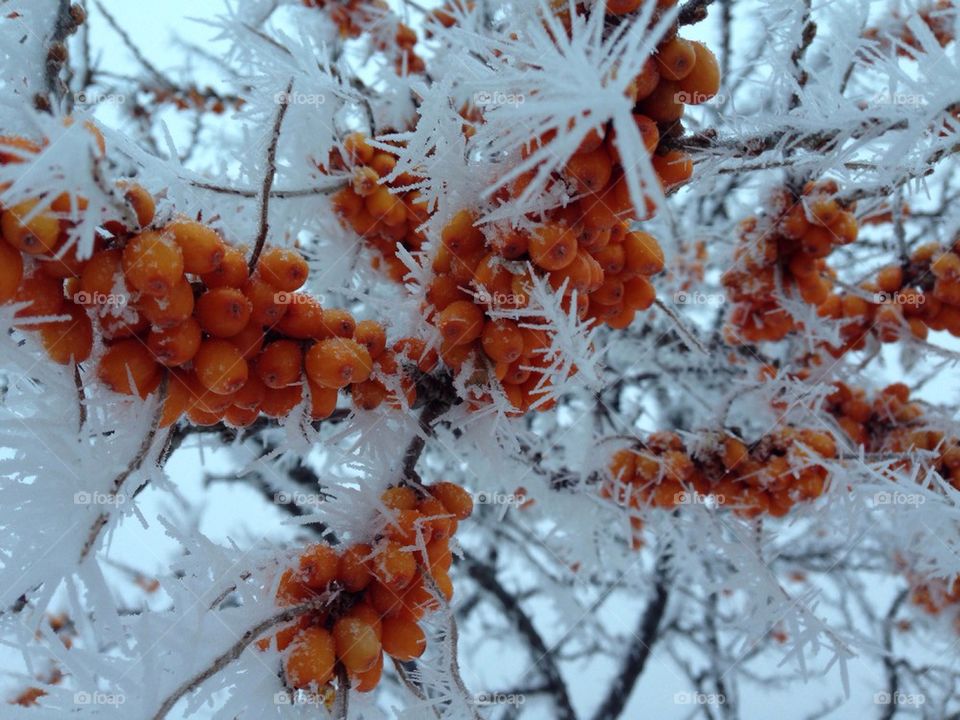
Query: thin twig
point(268, 180)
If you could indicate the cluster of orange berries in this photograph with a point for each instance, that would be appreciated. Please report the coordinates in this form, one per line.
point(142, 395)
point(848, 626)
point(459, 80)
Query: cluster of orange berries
point(781, 253)
point(938, 17)
point(354, 17)
point(193, 98)
point(768, 477)
point(377, 593)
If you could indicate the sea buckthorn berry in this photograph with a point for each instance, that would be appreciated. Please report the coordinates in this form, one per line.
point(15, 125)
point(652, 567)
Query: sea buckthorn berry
point(674, 167)
point(203, 418)
point(589, 171)
point(268, 306)
point(357, 644)
point(337, 362)
point(622, 7)
point(553, 246)
point(283, 268)
point(369, 679)
point(400, 498)
point(220, 366)
point(844, 227)
point(312, 658)
point(323, 400)
point(11, 272)
point(368, 395)
point(101, 275)
point(355, 145)
point(459, 323)
point(202, 247)
point(251, 395)
point(406, 527)
point(237, 417)
point(638, 293)
point(460, 236)
point(280, 402)
point(337, 322)
point(318, 566)
point(142, 202)
point(178, 401)
point(703, 82)
point(502, 340)
point(439, 557)
point(454, 498)
point(676, 58)
point(642, 253)
point(128, 367)
point(176, 345)
point(232, 271)
point(44, 296)
point(372, 336)
point(664, 104)
point(302, 318)
point(30, 230)
point(171, 310)
point(280, 364)
point(70, 340)
point(442, 523)
point(223, 312)
point(353, 568)
point(402, 639)
point(152, 263)
point(646, 82)
point(393, 566)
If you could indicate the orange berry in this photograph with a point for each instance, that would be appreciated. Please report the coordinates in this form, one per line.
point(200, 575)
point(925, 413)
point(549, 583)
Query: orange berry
point(663, 104)
point(323, 401)
point(372, 336)
point(202, 247)
point(442, 522)
point(357, 644)
point(589, 171)
point(11, 272)
point(844, 227)
point(223, 312)
point(369, 679)
point(280, 402)
point(237, 417)
point(142, 202)
point(454, 498)
point(393, 566)
point(703, 81)
point(622, 7)
point(249, 340)
point(337, 362)
point(70, 340)
point(402, 639)
point(638, 293)
point(251, 395)
point(171, 310)
point(318, 566)
point(152, 263)
point(126, 361)
point(461, 322)
point(176, 345)
point(312, 658)
point(673, 167)
point(400, 498)
point(642, 253)
point(303, 318)
point(502, 340)
point(268, 306)
point(44, 295)
point(406, 527)
point(28, 230)
point(100, 276)
point(337, 322)
point(280, 364)
point(220, 366)
point(460, 236)
point(283, 268)
point(553, 246)
point(439, 557)
point(355, 145)
point(646, 82)
point(231, 272)
point(353, 569)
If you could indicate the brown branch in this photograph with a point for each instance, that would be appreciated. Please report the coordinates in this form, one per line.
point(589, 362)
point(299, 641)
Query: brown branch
point(342, 706)
point(268, 179)
point(693, 12)
point(636, 659)
point(235, 650)
point(279, 194)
